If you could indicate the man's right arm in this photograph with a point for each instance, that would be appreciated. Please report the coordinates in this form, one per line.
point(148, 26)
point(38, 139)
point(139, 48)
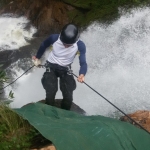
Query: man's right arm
point(45, 44)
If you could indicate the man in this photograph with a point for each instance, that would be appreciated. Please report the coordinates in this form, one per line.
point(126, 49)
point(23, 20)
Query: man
point(64, 49)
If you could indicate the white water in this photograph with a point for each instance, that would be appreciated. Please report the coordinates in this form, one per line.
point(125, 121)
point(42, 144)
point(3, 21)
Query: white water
point(13, 32)
point(118, 58)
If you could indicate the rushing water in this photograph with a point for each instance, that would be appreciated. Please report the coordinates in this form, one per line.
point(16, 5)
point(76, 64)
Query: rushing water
point(118, 58)
point(14, 32)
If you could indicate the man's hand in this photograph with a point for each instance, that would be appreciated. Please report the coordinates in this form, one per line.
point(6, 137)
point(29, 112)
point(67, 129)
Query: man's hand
point(36, 61)
point(81, 78)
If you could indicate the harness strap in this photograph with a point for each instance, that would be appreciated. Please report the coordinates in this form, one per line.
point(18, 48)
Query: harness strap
point(56, 67)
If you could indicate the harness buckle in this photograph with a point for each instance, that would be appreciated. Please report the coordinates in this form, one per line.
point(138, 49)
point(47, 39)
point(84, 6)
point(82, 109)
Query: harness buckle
point(48, 69)
point(69, 72)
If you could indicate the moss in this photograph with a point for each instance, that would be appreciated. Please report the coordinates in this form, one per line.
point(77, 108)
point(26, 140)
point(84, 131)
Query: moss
point(100, 10)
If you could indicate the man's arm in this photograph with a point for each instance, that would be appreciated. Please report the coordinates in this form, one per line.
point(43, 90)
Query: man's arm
point(82, 60)
point(45, 44)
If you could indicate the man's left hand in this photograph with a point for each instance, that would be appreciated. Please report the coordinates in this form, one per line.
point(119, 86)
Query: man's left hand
point(81, 78)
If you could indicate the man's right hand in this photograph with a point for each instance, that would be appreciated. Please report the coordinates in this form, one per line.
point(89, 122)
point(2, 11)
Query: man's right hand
point(36, 61)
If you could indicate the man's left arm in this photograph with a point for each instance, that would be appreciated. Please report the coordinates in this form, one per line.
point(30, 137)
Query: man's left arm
point(82, 61)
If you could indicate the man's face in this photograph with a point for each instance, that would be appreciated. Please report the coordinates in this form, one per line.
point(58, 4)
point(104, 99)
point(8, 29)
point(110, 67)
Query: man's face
point(67, 45)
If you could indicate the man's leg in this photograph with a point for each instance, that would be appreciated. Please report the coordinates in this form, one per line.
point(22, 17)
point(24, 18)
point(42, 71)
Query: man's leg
point(50, 84)
point(67, 86)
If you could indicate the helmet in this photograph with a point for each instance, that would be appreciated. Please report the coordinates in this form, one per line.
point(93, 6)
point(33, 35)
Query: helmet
point(69, 34)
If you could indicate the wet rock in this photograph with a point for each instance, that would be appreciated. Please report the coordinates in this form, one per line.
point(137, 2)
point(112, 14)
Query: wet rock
point(8, 57)
point(74, 107)
point(46, 16)
point(47, 147)
point(142, 117)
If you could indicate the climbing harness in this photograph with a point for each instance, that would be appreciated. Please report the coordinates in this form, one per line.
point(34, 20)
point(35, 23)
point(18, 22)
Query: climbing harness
point(70, 72)
point(56, 66)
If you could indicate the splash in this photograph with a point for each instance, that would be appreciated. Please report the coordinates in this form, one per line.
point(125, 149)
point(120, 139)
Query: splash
point(15, 32)
point(119, 60)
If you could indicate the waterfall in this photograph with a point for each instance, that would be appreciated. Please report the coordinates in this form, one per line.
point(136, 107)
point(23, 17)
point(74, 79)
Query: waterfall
point(118, 57)
point(15, 32)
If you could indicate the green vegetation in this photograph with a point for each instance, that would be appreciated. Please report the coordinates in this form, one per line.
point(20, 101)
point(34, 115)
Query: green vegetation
point(100, 10)
point(3, 79)
point(15, 132)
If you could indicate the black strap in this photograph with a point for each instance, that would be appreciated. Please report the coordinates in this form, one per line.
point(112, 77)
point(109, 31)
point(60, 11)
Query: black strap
point(56, 67)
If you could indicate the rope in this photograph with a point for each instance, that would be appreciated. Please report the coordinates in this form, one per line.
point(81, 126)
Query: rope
point(17, 78)
point(114, 106)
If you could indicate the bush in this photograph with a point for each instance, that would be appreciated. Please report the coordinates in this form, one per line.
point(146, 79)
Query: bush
point(15, 132)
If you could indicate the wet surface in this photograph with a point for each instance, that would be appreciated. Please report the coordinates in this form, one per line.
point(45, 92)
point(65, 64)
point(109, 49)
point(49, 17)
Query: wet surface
point(7, 57)
point(74, 107)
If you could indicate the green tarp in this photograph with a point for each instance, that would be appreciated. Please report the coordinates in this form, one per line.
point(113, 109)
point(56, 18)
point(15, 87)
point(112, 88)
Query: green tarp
point(71, 131)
